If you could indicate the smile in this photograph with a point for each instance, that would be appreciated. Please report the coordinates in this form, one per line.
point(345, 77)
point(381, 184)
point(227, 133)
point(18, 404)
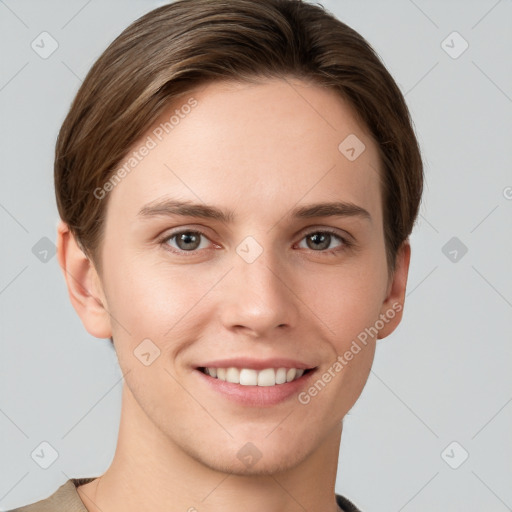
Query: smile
point(250, 377)
point(254, 388)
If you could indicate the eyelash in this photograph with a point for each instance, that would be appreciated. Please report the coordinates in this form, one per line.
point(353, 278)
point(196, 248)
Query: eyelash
point(346, 243)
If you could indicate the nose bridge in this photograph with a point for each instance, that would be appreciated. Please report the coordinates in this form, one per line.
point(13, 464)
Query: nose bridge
point(258, 297)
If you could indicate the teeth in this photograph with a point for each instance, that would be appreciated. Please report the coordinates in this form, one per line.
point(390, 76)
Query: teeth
point(267, 377)
point(281, 376)
point(250, 377)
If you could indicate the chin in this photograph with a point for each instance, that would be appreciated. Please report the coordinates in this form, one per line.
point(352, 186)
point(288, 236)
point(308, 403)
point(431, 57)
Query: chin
point(267, 465)
point(254, 456)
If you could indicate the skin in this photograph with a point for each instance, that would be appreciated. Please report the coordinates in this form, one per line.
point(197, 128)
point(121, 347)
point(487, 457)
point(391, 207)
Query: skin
point(259, 150)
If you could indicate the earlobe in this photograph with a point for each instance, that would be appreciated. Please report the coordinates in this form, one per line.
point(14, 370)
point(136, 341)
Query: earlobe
point(84, 285)
point(393, 305)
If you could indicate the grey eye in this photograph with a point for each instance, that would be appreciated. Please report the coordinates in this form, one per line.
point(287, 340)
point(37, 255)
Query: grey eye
point(320, 240)
point(186, 240)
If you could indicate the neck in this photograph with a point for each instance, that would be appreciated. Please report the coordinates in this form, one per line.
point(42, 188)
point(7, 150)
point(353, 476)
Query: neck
point(152, 471)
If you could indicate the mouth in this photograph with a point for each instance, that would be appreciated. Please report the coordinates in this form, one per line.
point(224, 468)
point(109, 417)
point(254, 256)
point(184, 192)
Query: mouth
point(250, 377)
point(254, 388)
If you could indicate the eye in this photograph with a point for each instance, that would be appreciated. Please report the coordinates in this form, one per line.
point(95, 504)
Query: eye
point(185, 241)
point(321, 241)
point(190, 241)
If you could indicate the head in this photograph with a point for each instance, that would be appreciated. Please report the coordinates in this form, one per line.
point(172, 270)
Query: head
point(255, 111)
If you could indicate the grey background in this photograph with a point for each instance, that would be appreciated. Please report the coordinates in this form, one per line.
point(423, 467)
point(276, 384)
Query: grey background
point(443, 376)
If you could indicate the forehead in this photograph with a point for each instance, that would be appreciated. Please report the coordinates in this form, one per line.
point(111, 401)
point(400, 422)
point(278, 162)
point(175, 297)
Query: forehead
point(253, 147)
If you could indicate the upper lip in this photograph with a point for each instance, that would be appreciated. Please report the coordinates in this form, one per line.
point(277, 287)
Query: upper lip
point(256, 364)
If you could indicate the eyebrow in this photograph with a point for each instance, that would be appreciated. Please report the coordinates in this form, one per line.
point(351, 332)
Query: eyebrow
point(171, 207)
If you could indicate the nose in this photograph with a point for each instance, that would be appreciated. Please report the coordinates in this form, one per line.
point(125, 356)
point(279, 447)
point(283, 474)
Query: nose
point(258, 297)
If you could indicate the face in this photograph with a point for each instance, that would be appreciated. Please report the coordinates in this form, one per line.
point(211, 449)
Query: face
point(256, 276)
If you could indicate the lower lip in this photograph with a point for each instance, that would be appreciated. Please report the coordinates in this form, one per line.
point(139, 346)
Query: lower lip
point(257, 396)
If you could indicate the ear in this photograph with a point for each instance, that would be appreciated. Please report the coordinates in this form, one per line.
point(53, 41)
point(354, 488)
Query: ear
point(393, 305)
point(84, 284)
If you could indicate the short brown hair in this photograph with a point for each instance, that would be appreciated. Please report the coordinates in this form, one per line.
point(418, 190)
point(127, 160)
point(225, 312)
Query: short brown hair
point(188, 43)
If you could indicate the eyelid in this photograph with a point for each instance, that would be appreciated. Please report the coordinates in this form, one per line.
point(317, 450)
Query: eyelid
point(327, 229)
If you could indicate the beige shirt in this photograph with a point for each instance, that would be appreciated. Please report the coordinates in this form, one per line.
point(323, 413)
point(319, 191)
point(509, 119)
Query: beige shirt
point(66, 499)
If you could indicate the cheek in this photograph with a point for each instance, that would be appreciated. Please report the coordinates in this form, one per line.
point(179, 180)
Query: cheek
point(348, 308)
point(157, 301)
point(348, 303)
point(347, 299)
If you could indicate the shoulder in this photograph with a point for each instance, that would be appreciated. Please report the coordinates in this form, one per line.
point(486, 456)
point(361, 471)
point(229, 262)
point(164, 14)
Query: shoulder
point(346, 504)
point(64, 499)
